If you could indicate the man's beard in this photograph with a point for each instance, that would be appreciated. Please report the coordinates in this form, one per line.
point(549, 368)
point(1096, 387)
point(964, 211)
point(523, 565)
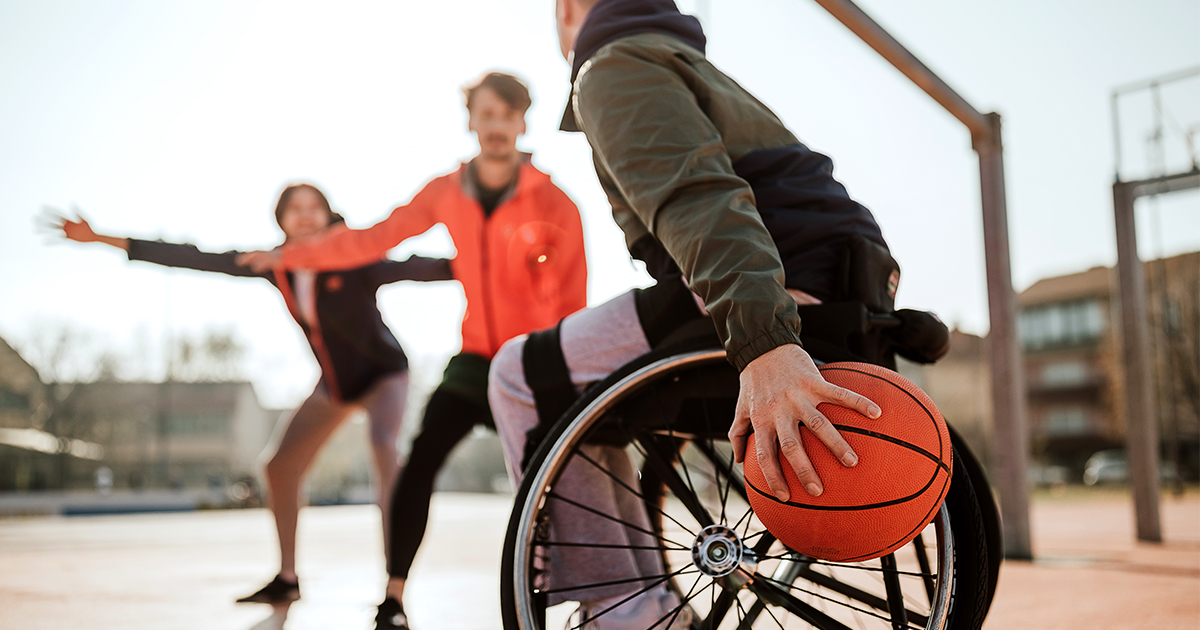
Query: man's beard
point(500, 151)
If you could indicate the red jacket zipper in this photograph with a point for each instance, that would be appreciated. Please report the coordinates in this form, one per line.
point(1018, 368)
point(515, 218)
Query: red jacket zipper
point(487, 280)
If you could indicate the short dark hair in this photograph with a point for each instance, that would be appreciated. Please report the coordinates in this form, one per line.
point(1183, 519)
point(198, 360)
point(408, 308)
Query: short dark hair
point(510, 89)
point(286, 196)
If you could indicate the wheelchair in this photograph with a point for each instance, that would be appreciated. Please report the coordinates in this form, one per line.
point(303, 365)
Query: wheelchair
point(668, 413)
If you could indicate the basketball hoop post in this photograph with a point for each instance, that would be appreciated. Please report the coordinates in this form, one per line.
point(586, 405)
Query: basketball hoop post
point(1141, 418)
point(1142, 434)
point(1008, 373)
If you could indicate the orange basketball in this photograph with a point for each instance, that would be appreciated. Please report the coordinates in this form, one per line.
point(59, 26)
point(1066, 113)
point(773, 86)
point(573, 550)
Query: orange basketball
point(873, 509)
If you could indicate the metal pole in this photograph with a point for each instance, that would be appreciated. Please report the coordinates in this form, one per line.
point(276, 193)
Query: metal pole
point(1164, 376)
point(1008, 368)
point(907, 63)
point(1008, 373)
point(1116, 115)
point(1172, 77)
point(1141, 429)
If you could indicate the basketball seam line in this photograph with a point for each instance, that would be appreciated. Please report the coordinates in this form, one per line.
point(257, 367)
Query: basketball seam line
point(924, 522)
point(896, 441)
point(906, 392)
point(845, 508)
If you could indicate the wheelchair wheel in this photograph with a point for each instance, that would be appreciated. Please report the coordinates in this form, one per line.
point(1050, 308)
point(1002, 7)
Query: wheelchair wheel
point(654, 432)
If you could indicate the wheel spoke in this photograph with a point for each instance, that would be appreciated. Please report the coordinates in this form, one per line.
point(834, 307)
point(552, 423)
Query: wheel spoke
point(772, 616)
point(727, 470)
point(923, 563)
point(769, 593)
point(676, 440)
point(720, 606)
point(632, 491)
point(710, 452)
point(746, 618)
point(691, 594)
point(819, 596)
point(660, 579)
point(747, 513)
point(551, 543)
point(853, 593)
point(670, 477)
point(559, 497)
point(712, 605)
point(895, 598)
point(764, 544)
point(851, 567)
point(646, 589)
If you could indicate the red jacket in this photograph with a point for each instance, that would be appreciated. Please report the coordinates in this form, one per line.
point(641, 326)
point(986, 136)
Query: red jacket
point(522, 268)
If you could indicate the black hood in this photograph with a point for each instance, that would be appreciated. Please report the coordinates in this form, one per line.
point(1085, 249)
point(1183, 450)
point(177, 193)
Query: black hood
point(613, 19)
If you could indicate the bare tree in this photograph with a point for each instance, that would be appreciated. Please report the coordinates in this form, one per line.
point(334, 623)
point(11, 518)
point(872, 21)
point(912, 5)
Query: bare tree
point(212, 356)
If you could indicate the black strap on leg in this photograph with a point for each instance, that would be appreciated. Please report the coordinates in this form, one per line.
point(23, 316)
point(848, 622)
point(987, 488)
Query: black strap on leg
point(547, 375)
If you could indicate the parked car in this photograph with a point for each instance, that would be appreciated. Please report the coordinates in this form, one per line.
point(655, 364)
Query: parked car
point(1111, 466)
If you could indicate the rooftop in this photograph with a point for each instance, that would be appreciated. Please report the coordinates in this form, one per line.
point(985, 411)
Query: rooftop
point(1096, 282)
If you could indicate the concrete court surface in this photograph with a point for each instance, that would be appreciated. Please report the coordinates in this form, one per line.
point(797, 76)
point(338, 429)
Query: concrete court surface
point(167, 571)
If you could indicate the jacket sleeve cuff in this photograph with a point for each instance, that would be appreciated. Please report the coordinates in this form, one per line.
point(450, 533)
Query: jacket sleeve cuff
point(135, 249)
point(780, 335)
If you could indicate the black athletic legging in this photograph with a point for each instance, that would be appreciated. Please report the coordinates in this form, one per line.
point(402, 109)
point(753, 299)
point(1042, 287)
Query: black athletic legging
point(449, 417)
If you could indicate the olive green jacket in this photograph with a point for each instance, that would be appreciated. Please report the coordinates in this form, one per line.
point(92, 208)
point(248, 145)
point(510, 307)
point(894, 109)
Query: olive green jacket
point(666, 127)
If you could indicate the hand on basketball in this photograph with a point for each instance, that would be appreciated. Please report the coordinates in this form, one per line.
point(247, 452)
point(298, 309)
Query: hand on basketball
point(779, 389)
point(260, 261)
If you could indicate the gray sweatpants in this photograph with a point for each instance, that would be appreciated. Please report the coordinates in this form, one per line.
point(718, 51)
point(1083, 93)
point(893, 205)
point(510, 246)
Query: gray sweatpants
point(595, 342)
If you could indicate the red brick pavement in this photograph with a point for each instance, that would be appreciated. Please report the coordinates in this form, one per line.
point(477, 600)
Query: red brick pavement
point(1090, 573)
point(182, 571)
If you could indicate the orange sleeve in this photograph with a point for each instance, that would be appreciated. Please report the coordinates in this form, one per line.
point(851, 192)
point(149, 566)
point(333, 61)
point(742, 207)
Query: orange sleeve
point(574, 273)
point(343, 248)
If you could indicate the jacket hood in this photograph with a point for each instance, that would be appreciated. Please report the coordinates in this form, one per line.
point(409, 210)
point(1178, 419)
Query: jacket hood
point(610, 20)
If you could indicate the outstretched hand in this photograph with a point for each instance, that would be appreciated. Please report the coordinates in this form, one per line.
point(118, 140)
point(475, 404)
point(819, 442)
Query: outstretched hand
point(260, 261)
point(59, 223)
point(778, 390)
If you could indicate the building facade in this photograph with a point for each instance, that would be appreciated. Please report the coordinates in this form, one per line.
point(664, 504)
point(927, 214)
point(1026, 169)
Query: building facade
point(1070, 332)
point(176, 435)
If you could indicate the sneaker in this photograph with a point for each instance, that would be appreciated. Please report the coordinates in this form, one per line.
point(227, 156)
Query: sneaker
point(277, 591)
point(655, 608)
point(391, 615)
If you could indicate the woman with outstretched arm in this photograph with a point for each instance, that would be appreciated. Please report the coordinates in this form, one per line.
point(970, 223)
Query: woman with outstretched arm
point(362, 364)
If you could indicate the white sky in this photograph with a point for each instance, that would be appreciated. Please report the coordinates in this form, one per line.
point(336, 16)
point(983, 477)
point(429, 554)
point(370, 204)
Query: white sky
point(183, 121)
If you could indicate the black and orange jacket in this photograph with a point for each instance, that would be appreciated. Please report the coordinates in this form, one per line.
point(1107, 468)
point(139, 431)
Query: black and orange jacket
point(351, 343)
point(522, 267)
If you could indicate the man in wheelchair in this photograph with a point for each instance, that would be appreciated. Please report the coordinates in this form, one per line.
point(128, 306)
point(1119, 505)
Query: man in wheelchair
point(743, 228)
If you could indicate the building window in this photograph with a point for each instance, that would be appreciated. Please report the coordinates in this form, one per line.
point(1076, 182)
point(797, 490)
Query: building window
point(1067, 422)
point(12, 400)
point(197, 425)
point(1173, 318)
point(1064, 374)
point(1062, 324)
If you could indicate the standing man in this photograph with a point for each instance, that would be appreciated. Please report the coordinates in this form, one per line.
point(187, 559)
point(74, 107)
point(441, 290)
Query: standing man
point(521, 263)
point(724, 205)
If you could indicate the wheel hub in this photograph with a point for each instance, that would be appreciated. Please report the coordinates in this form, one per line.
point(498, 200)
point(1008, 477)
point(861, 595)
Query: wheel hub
point(717, 551)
